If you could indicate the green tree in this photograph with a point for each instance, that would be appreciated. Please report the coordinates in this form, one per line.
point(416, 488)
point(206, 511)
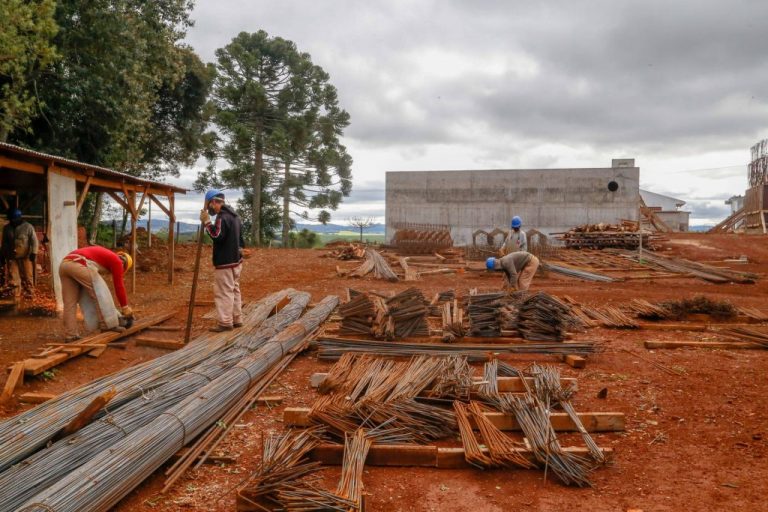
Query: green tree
point(26, 49)
point(269, 221)
point(279, 123)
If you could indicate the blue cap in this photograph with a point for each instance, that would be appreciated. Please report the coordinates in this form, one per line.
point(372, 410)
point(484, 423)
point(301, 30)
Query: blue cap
point(490, 263)
point(517, 222)
point(213, 193)
point(14, 214)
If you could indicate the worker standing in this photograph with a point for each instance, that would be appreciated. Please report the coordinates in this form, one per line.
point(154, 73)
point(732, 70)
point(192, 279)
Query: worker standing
point(517, 239)
point(228, 245)
point(19, 251)
point(81, 282)
point(518, 267)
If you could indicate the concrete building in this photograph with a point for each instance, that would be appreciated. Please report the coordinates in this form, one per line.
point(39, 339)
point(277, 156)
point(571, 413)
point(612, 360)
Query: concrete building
point(668, 209)
point(550, 200)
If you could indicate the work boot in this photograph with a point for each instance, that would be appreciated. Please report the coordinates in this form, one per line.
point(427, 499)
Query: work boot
point(235, 325)
point(221, 328)
point(70, 339)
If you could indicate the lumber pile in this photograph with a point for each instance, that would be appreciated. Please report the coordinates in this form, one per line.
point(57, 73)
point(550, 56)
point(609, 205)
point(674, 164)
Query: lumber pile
point(346, 252)
point(626, 235)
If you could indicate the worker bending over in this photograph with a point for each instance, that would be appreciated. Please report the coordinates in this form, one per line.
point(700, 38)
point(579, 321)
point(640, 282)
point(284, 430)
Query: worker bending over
point(81, 282)
point(518, 267)
point(19, 251)
point(516, 240)
point(228, 245)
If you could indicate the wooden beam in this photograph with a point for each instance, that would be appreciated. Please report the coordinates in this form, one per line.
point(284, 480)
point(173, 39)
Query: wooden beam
point(724, 345)
point(15, 377)
point(130, 199)
point(5, 203)
point(85, 416)
point(561, 422)
point(574, 361)
point(120, 201)
point(407, 455)
point(171, 240)
point(21, 165)
point(36, 398)
point(159, 343)
point(159, 204)
point(506, 384)
point(84, 194)
point(134, 220)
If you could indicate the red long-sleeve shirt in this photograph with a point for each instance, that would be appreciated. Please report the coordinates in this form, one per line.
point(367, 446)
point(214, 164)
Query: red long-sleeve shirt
point(109, 261)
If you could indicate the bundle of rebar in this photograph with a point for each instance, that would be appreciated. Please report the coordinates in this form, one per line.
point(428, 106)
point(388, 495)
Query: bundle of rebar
point(586, 275)
point(283, 464)
point(453, 321)
point(408, 313)
point(644, 309)
point(701, 270)
point(22, 435)
point(334, 348)
point(745, 334)
point(45, 467)
point(483, 312)
point(542, 317)
point(105, 479)
point(357, 315)
point(375, 262)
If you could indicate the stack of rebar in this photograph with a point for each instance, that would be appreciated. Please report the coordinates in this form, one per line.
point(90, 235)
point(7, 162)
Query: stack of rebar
point(542, 317)
point(483, 312)
point(105, 479)
point(408, 313)
point(644, 309)
point(357, 315)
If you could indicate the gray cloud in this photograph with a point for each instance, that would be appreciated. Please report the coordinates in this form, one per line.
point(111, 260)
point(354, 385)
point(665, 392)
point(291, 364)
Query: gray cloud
point(500, 80)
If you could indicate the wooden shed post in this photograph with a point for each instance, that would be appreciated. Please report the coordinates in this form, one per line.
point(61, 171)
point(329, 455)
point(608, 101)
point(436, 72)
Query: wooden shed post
point(171, 239)
point(132, 203)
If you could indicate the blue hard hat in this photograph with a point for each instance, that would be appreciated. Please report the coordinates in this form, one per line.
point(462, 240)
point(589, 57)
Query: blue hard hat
point(213, 193)
point(14, 214)
point(490, 263)
point(517, 222)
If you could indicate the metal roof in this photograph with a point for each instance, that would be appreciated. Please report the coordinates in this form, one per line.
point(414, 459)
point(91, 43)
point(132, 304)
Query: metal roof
point(44, 158)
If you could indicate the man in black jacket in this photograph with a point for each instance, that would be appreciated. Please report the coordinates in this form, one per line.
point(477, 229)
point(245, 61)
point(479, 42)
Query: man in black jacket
point(227, 237)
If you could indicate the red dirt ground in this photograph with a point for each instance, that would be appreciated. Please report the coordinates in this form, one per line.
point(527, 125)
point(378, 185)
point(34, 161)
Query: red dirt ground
point(695, 441)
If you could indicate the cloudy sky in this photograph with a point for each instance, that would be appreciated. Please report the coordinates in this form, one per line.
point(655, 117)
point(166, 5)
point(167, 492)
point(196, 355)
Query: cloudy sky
point(681, 86)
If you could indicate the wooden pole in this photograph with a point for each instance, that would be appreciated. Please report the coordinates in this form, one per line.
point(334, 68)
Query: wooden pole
point(149, 225)
point(171, 242)
point(114, 234)
point(132, 203)
point(191, 308)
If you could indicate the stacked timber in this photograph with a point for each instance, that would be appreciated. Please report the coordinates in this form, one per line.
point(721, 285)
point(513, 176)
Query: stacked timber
point(626, 235)
point(346, 252)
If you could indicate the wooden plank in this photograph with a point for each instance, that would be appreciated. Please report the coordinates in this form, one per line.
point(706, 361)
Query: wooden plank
point(506, 384)
point(420, 456)
point(575, 361)
point(561, 422)
point(15, 377)
point(95, 353)
point(85, 416)
point(36, 398)
point(164, 328)
point(725, 345)
point(56, 356)
point(158, 343)
point(269, 400)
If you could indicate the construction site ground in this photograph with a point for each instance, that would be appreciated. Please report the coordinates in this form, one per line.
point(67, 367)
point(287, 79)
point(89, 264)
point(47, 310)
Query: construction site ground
point(694, 441)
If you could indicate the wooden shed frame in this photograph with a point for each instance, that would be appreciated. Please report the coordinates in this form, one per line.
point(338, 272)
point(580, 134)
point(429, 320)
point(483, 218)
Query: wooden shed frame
point(66, 184)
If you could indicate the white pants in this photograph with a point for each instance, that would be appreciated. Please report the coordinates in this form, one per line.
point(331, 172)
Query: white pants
point(226, 295)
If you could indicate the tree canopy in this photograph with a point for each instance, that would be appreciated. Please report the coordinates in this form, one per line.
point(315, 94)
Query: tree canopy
point(279, 123)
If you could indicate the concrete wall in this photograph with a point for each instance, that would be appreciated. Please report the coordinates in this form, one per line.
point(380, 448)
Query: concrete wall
point(677, 220)
point(62, 224)
point(549, 200)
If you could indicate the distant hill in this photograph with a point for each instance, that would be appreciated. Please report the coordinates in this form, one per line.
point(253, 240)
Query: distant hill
point(161, 225)
point(374, 229)
point(700, 229)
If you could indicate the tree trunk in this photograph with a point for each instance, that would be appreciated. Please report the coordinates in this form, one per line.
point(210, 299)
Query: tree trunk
point(258, 168)
point(122, 226)
point(94, 228)
point(286, 204)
